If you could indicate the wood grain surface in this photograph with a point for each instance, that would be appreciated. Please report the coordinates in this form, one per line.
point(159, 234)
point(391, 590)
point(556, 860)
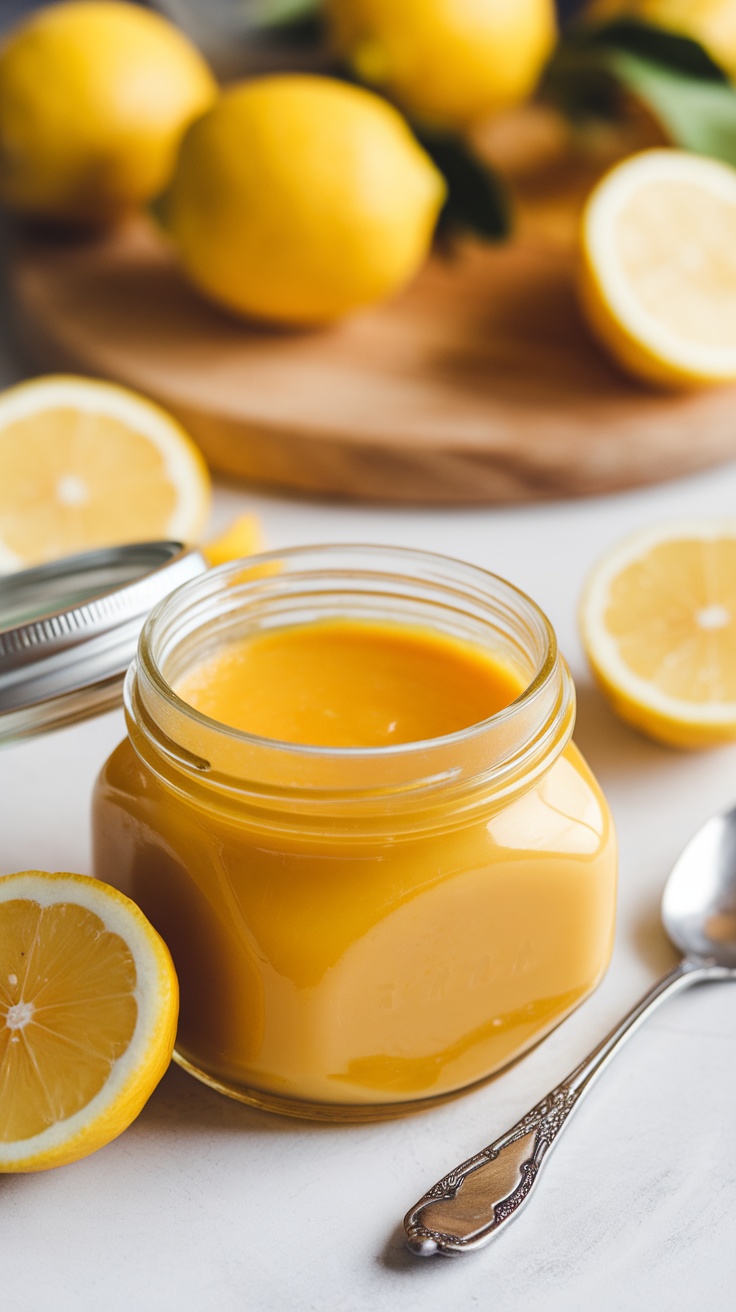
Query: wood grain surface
point(478, 384)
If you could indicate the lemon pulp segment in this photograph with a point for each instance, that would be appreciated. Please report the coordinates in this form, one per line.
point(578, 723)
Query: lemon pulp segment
point(658, 281)
point(66, 462)
point(86, 464)
point(673, 616)
point(89, 1001)
point(689, 285)
point(659, 625)
point(67, 1012)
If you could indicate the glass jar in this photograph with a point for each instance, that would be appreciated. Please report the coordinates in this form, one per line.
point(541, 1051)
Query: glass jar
point(359, 931)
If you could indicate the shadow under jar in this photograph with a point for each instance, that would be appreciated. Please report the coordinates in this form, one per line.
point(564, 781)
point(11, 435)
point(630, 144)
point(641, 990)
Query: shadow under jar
point(359, 931)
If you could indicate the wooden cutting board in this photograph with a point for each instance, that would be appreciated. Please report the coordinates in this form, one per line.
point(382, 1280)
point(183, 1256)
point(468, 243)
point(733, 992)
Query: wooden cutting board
point(478, 384)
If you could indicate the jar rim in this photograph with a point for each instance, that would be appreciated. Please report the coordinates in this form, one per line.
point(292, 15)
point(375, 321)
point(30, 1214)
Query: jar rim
point(544, 672)
point(479, 767)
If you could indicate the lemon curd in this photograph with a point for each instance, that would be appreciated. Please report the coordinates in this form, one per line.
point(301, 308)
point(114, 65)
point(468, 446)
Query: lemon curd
point(350, 804)
point(346, 683)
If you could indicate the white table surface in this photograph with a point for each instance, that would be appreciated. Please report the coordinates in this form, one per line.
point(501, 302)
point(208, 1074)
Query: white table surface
point(205, 1204)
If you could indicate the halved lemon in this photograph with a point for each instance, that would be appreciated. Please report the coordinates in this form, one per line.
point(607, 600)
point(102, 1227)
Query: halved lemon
point(87, 464)
point(88, 1008)
point(658, 281)
point(658, 621)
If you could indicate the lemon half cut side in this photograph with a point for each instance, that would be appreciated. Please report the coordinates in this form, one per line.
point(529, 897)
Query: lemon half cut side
point(86, 464)
point(88, 1009)
point(658, 622)
point(658, 275)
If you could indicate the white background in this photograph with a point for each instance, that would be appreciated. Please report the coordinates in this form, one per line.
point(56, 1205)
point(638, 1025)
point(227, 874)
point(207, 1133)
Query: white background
point(205, 1204)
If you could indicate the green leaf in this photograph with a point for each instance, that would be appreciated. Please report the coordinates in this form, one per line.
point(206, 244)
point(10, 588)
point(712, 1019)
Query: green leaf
point(649, 41)
point(287, 24)
point(696, 114)
point(579, 80)
point(686, 91)
point(477, 199)
point(280, 13)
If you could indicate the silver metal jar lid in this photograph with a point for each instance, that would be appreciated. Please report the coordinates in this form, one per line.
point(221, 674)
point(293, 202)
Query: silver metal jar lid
point(69, 630)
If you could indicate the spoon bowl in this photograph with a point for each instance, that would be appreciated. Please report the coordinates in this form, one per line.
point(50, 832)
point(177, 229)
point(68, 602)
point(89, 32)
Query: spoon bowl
point(699, 899)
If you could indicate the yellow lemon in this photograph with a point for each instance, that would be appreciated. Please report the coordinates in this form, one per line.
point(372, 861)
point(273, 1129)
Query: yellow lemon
point(446, 62)
point(88, 1008)
point(299, 199)
point(658, 281)
point(94, 98)
point(86, 464)
point(658, 621)
point(711, 22)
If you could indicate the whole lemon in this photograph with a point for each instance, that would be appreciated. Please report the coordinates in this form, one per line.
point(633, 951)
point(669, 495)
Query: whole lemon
point(94, 98)
point(299, 198)
point(446, 62)
point(711, 22)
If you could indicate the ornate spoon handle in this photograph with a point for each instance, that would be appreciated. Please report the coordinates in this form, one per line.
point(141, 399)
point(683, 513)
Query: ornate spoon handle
point(470, 1204)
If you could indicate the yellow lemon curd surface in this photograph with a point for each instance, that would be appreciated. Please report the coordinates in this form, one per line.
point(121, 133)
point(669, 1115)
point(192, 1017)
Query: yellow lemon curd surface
point(324, 967)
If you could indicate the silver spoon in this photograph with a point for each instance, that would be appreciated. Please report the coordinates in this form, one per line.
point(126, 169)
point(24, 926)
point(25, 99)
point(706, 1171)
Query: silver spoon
point(473, 1202)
